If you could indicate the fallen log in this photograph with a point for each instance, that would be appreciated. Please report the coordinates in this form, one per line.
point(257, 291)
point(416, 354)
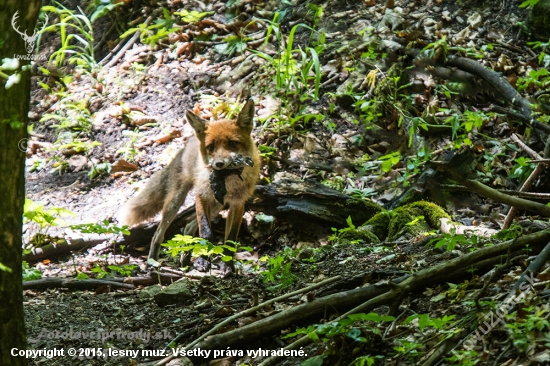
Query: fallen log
point(69, 245)
point(306, 202)
point(374, 295)
point(73, 284)
point(301, 203)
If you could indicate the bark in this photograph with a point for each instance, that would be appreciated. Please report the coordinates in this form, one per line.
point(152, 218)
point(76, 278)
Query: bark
point(14, 105)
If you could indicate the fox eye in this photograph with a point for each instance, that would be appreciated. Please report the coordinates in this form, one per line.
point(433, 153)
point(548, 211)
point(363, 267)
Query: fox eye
point(233, 144)
point(210, 147)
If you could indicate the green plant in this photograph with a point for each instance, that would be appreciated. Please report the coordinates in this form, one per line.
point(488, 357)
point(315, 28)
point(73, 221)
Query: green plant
point(99, 8)
point(99, 169)
point(199, 247)
point(296, 74)
point(34, 211)
point(30, 273)
point(161, 29)
point(537, 79)
point(522, 169)
point(232, 44)
point(413, 165)
point(389, 160)
point(526, 330)
point(124, 270)
point(355, 328)
point(529, 3)
point(128, 150)
point(79, 44)
point(450, 241)
point(78, 145)
point(464, 357)
point(104, 227)
point(71, 115)
point(279, 270)
point(192, 16)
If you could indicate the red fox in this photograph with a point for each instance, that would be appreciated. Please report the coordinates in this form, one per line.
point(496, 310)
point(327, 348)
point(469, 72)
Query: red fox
point(209, 162)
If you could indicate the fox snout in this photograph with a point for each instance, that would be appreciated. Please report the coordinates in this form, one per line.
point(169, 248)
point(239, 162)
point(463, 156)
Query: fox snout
point(220, 164)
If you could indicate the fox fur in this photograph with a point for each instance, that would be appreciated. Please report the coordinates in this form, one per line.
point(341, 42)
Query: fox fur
point(207, 151)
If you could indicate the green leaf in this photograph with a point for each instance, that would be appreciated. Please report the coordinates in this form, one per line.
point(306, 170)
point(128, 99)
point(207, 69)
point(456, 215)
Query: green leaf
point(192, 16)
point(314, 361)
point(528, 3)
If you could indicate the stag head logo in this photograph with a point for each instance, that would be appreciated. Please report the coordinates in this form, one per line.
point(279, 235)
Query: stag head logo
point(29, 40)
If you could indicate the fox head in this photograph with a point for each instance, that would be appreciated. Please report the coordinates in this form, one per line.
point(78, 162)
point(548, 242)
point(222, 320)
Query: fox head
point(218, 139)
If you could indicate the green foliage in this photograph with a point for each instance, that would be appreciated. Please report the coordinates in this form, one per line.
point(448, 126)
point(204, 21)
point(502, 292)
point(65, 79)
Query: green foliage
point(522, 169)
point(192, 16)
point(129, 150)
point(152, 34)
point(200, 247)
point(354, 328)
point(544, 58)
point(34, 211)
point(72, 115)
point(450, 241)
point(104, 227)
point(529, 3)
point(537, 79)
point(527, 328)
point(78, 145)
point(100, 8)
point(414, 163)
point(296, 74)
point(279, 270)
point(424, 321)
point(232, 44)
point(464, 357)
point(30, 273)
point(389, 160)
point(124, 270)
point(98, 170)
point(78, 44)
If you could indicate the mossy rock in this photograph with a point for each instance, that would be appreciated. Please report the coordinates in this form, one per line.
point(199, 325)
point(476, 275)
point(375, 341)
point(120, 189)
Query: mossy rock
point(407, 222)
point(378, 225)
point(404, 222)
point(539, 20)
point(361, 233)
point(432, 212)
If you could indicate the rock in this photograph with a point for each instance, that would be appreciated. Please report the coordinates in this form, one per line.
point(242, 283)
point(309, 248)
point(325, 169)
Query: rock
point(474, 20)
point(149, 292)
point(78, 162)
point(176, 293)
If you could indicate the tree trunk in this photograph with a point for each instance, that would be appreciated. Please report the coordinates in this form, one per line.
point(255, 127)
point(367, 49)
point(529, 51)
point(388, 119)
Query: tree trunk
point(14, 106)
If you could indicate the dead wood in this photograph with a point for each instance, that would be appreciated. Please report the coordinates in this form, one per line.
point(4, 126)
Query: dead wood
point(502, 88)
point(453, 270)
point(530, 180)
point(74, 284)
point(69, 245)
point(301, 203)
point(535, 266)
point(485, 191)
point(375, 295)
point(532, 195)
point(307, 202)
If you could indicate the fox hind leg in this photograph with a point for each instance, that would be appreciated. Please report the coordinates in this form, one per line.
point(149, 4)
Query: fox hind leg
point(171, 206)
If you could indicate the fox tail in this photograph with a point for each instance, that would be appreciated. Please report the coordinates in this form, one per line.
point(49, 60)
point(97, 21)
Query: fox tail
point(146, 204)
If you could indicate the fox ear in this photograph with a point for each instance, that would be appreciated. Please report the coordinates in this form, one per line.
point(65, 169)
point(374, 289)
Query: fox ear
point(246, 117)
point(198, 124)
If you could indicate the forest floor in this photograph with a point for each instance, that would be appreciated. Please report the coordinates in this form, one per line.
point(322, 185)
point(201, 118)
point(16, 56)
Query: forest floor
point(340, 132)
